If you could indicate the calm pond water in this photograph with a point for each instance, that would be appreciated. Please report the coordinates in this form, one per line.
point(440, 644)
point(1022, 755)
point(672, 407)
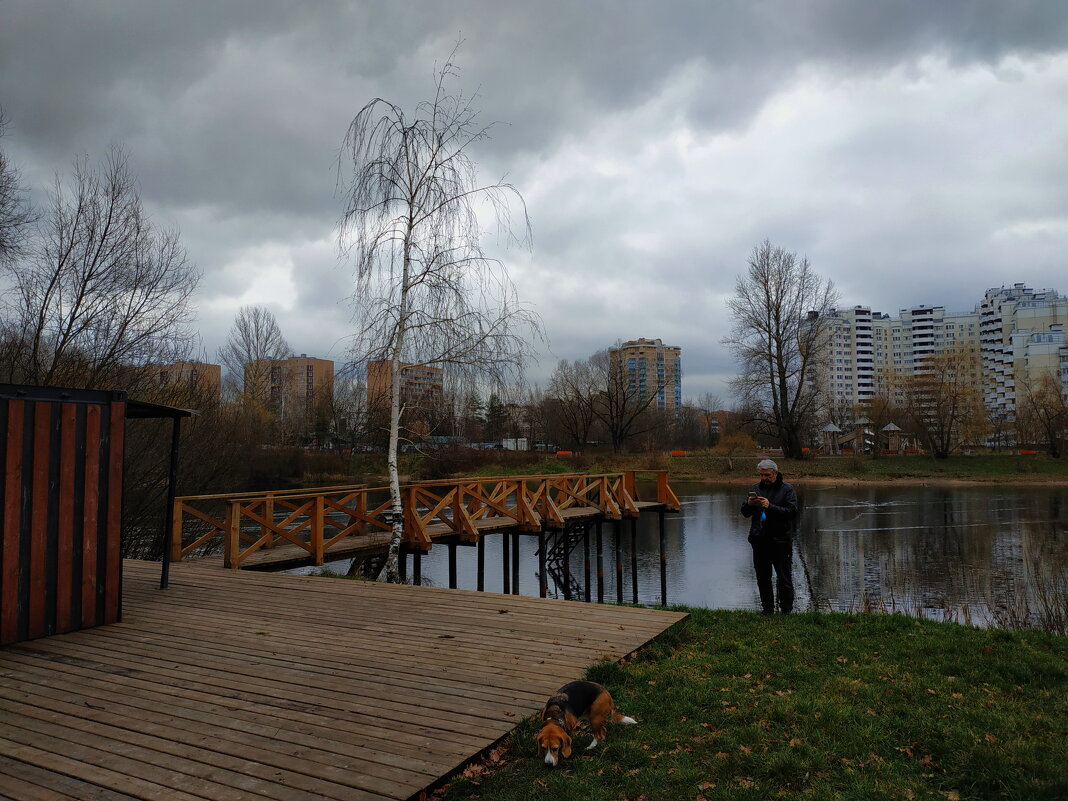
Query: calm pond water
point(925, 550)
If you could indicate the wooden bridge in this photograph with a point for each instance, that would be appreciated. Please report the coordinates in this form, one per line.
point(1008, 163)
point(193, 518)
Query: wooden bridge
point(285, 528)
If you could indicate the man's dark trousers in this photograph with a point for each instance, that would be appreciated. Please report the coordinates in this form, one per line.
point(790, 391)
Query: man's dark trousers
point(767, 555)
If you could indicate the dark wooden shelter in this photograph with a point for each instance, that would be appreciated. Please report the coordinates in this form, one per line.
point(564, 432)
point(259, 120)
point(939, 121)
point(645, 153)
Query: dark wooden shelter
point(61, 493)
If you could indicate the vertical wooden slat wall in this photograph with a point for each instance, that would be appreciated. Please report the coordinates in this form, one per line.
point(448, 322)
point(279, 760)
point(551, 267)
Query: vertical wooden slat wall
point(61, 506)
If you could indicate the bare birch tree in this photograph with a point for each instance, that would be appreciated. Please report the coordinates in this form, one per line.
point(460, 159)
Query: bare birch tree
point(102, 290)
point(426, 291)
point(779, 312)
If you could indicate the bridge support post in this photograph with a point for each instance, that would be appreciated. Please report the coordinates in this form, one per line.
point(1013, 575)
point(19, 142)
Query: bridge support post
point(567, 562)
point(663, 560)
point(402, 564)
point(634, 559)
point(619, 560)
point(480, 547)
point(600, 565)
point(417, 568)
point(452, 565)
point(506, 564)
point(586, 560)
point(515, 564)
point(543, 580)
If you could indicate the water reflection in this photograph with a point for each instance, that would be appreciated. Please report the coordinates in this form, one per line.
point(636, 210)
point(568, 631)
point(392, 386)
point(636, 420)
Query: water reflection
point(922, 549)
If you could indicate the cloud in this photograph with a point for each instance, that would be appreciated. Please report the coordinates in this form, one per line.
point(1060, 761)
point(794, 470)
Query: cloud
point(914, 152)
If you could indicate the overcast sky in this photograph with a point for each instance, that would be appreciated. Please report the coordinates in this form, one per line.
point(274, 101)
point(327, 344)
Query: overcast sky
point(915, 152)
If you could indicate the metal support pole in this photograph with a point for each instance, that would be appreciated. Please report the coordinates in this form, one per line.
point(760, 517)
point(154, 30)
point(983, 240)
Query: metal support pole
point(618, 538)
point(543, 580)
point(172, 485)
point(567, 563)
point(586, 561)
point(515, 564)
point(663, 561)
point(506, 564)
point(600, 565)
point(452, 565)
point(634, 559)
point(481, 548)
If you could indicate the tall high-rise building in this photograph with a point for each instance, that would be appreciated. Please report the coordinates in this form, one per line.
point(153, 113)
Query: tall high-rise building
point(652, 368)
point(1022, 337)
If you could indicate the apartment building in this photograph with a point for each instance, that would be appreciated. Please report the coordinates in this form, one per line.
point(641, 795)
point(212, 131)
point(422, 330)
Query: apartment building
point(1012, 334)
point(288, 384)
point(1022, 337)
point(198, 376)
point(421, 385)
point(652, 368)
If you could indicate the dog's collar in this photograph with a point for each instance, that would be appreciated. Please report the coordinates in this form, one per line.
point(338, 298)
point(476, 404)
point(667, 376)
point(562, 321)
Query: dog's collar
point(559, 722)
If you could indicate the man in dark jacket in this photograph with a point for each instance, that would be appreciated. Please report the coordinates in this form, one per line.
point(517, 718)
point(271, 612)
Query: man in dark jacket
point(772, 507)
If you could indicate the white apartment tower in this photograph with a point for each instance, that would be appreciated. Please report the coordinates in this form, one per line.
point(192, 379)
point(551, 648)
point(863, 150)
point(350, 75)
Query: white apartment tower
point(867, 347)
point(1013, 335)
point(1022, 336)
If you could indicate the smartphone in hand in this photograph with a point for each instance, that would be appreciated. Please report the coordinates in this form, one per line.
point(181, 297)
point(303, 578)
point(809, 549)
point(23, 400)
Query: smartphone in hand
point(752, 499)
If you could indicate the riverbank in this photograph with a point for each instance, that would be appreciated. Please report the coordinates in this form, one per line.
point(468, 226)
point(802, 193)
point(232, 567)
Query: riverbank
point(714, 468)
point(738, 705)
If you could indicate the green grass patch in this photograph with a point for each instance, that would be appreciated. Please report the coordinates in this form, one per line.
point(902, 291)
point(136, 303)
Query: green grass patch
point(735, 705)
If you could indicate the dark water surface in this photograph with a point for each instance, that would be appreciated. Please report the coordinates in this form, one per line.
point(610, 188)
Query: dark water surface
point(937, 551)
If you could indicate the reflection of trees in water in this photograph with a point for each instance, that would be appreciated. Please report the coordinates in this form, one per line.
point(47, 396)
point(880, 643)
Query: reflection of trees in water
point(932, 549)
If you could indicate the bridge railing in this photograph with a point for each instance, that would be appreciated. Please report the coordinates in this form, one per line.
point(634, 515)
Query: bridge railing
point(315, 519)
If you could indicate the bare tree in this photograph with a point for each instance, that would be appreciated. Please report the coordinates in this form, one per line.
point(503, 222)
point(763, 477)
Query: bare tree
point(710, 409)
point(575, 389)
point(102, 291)
point(779, 314)
point(426, 291)
point(1043, 410)
point(16, 216)
point(942, 400)
point(254, 345)
point(621, 404)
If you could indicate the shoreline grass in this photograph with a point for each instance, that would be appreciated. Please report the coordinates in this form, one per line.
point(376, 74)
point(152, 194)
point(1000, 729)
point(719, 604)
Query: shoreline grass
point(736, 705)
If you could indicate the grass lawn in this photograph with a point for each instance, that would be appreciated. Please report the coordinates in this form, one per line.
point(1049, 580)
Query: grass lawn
point(736, 705)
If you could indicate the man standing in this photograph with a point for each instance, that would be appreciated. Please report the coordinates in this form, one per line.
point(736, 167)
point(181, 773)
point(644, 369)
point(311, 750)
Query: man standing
point(772, 507)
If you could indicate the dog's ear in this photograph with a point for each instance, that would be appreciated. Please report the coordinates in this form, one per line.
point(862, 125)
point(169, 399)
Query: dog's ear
point(565, 747)
point(541, 745)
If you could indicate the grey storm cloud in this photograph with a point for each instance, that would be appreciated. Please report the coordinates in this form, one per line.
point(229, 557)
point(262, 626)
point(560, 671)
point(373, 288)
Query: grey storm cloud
point(912, 150)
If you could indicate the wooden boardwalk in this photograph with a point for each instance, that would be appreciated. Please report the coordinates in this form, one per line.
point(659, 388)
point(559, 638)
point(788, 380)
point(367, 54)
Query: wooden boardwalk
point(237, 685)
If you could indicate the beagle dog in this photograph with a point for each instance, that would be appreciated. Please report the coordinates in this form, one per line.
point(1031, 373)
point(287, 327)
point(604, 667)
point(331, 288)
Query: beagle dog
point(561, 715)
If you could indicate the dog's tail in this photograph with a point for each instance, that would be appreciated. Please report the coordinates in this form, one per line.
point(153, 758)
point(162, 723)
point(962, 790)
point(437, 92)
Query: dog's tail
point(619, 717)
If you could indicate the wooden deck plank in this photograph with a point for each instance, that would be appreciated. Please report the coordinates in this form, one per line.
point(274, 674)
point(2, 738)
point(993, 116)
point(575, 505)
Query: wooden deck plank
point(239, 684)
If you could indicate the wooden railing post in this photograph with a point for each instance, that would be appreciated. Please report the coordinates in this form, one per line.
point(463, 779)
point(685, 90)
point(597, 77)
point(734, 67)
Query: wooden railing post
point(231, 554)
point(629, 484)
point(317, 529)
point(664, 493)
point(268, 515)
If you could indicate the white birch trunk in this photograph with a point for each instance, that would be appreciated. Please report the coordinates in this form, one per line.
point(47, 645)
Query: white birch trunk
point(392, 572)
